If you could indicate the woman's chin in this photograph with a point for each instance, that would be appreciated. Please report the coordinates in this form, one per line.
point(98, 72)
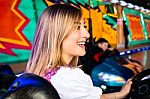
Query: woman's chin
point(82, 53)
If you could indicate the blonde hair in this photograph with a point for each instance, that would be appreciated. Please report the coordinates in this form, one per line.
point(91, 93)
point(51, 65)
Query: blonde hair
point(55, 23)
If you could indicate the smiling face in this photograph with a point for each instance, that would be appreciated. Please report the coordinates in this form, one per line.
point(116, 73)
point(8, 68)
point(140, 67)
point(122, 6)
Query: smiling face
point(74, 43)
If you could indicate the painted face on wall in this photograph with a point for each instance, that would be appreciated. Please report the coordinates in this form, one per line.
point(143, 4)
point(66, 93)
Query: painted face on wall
point(103, 46)
point(74, 43)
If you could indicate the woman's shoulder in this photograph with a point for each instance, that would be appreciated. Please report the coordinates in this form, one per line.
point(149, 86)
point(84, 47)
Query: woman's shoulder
point(72, 74)
point(70, 71)
point(76, 82)
point(71, 77)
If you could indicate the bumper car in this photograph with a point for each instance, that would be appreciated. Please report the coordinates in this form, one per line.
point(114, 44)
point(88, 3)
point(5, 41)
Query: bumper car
point(140, 88)
point(110, 76)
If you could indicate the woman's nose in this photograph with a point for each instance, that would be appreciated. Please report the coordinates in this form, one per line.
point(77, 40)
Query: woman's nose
point(86, 33)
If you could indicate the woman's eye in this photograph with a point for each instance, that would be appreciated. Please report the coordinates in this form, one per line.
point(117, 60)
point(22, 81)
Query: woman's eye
point(78, 28)
point(85, 26)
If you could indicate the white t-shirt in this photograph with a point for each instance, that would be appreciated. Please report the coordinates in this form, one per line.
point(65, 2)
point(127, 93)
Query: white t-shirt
point(74, 84)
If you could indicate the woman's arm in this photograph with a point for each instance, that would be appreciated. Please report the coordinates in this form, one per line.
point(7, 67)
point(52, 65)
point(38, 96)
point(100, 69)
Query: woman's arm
point(116, 95)
point(119, 95)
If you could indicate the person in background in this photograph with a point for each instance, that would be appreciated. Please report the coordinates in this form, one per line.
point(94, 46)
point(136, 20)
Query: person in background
point(87, 62)
point(100, 50)
point(95, 54)
point(104, 50)
point(59, 40)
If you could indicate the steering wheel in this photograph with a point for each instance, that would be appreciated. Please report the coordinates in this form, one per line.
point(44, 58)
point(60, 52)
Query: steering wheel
point(140, 88)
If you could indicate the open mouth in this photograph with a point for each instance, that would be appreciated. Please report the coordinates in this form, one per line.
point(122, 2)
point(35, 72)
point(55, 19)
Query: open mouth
point(81, 44)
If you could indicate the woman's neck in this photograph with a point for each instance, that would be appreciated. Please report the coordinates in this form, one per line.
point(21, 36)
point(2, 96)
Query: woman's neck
point(67, 58)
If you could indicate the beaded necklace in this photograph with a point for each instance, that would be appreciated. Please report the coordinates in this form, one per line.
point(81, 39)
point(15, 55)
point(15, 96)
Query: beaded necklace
point(50, 73)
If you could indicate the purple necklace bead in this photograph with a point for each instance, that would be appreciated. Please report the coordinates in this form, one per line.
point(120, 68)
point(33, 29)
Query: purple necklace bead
point(50, 73)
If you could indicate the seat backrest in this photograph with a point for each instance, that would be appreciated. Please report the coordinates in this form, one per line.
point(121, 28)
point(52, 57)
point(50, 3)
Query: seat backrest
point(30, 85)
point(7, 76)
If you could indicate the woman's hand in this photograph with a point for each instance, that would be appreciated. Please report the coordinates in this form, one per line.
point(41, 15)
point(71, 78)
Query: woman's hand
point(119, 95)
point(125, 90)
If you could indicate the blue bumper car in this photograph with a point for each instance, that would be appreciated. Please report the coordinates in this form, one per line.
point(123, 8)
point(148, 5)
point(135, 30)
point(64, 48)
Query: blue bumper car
point(110, 76)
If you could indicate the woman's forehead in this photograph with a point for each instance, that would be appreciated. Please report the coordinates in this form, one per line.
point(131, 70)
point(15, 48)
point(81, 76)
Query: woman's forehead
point(80, 22)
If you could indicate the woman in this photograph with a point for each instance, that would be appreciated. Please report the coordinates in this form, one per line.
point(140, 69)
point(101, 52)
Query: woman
point(59, 39)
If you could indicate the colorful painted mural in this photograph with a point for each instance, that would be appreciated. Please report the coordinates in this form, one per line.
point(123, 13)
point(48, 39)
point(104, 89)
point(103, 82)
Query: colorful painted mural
point(17, 26)
point(18, 21)
point(148, 27)
point(137, 33)
point(138, 26)
point(12, 24)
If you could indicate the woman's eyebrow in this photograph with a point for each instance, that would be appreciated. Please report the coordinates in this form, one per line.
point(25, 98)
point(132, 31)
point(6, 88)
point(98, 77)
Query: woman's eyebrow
point(80, 23)
point(77, 22)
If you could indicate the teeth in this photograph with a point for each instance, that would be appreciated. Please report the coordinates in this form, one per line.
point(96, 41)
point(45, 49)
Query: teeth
point(81, 43)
